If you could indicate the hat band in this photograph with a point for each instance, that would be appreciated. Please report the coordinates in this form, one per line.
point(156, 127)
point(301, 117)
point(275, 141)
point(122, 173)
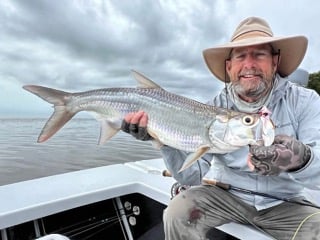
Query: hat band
point(251, 34)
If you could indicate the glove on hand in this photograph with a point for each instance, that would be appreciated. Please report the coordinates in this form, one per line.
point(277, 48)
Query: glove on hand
point(285, 155)
point(136, 131)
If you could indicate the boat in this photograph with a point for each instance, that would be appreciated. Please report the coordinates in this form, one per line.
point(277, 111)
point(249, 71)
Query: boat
point(120, 201)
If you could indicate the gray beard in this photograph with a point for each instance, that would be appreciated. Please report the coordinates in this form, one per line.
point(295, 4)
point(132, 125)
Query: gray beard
point(259, 91)
point(253, 107)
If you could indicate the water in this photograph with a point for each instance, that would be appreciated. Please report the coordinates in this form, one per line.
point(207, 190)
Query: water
point(73, 148)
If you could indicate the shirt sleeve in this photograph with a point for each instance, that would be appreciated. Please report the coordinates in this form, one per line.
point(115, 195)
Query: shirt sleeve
point(308, 132)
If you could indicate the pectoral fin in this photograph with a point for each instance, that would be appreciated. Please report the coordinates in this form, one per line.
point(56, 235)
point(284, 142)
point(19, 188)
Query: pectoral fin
point(156, 143)
point(194, 157)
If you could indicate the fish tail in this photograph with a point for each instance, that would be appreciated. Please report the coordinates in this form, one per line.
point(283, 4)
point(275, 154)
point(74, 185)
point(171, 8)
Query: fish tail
point(61, 114)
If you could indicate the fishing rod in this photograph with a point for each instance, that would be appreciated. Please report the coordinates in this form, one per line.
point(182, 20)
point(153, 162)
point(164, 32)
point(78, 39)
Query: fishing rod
point(90, 227)
point(178, 187)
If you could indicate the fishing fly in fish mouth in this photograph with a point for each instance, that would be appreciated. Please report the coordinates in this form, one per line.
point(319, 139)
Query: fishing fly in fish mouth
point(206, 128)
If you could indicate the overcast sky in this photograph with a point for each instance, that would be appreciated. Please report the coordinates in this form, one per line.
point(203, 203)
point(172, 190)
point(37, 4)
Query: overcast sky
point(80, 45)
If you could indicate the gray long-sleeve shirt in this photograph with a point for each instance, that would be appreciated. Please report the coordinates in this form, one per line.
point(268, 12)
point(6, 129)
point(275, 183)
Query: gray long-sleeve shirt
point(295, 112)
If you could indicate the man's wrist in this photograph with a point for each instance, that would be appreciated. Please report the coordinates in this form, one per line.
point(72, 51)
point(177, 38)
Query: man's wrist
point(305, 159)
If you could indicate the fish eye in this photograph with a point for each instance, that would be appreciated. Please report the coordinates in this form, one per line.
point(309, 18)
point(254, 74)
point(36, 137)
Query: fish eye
point(247, 120)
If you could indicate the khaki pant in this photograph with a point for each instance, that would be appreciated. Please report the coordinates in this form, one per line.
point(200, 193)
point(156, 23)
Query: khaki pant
point(192, 213)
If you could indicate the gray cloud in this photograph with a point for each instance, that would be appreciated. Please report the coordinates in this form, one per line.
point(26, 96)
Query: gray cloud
point(80, 45)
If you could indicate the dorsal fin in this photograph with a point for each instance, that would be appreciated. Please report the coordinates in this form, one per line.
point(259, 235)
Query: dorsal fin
point(143, 81)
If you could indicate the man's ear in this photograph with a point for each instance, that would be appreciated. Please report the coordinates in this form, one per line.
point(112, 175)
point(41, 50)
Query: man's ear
point(228, 66)
point(276, 62)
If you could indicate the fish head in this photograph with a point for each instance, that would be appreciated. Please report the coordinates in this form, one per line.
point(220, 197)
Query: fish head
point(236, 129)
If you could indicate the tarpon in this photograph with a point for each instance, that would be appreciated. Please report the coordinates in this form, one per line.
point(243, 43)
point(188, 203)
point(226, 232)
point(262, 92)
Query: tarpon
point(173, 120)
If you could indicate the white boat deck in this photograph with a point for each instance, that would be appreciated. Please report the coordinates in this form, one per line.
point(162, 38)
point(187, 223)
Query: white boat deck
point(33, 199)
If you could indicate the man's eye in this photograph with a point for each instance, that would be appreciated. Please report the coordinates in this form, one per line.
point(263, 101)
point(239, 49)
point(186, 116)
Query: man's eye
point(261, 54)
point(240, 56)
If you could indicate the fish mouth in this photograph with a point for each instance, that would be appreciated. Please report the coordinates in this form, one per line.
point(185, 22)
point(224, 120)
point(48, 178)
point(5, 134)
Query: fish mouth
point(265, 134)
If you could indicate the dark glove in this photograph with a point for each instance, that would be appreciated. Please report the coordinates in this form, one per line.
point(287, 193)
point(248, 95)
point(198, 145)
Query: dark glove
point(286, 154)
point(136, 131)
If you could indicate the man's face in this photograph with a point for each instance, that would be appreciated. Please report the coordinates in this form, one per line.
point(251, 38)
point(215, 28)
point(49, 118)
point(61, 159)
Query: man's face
point(251, 70)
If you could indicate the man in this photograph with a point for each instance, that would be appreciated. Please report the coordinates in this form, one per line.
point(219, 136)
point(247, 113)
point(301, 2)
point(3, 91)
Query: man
point(253, 65)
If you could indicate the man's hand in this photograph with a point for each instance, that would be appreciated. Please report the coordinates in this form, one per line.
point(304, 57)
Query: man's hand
point(286, 154)
point(136, 125)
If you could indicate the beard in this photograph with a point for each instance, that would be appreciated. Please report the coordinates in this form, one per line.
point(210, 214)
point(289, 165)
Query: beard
point(253, 88)
point(253, 91)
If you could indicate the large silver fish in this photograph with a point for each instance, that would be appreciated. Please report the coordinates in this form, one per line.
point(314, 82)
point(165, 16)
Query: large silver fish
point(173, 120)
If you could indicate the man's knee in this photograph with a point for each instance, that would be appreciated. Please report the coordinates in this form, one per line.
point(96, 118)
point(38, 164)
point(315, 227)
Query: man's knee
point(179, 207)
point(309, 227)
point(184, 217)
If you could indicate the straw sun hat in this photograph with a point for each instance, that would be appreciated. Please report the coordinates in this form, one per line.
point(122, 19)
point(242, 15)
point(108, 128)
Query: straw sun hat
point(255, 31)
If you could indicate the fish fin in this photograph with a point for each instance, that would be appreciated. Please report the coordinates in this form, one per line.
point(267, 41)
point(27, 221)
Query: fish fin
point(143, 81)
point(153, 134)
point(156, 143)
point(107, 131)
point(50, 95)
point(194, 157)
point(61, 114)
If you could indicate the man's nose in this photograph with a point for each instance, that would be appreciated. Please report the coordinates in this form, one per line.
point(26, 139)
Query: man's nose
point(250, 60)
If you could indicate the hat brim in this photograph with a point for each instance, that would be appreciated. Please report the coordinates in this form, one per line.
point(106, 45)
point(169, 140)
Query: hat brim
point(292, 51)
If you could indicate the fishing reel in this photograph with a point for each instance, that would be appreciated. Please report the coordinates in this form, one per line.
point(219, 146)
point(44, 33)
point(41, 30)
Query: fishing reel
point(178, 188)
